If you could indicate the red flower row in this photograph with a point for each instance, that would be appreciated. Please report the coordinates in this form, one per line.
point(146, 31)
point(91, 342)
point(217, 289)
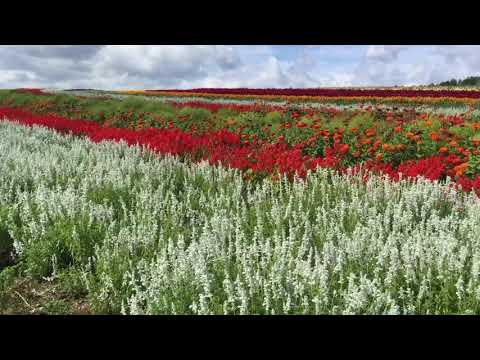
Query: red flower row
point(31, 91)
point(226, 148)
point(334, 92)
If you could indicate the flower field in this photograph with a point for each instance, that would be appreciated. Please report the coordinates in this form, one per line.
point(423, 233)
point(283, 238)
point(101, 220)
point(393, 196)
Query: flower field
point(214, 201)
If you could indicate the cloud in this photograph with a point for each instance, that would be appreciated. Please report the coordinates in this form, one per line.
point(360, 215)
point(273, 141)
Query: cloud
point(385, 54)
point(46, 65)
point(468, 55)
point(166, 63)
point(115, 66)
point(16, 77)
point(415, 64)
point(187, 66)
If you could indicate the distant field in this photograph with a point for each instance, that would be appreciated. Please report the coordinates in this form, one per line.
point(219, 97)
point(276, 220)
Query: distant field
point(240, 201)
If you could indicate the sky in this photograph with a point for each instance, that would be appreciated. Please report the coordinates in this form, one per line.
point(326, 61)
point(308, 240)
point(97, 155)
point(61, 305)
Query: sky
point(255, 66)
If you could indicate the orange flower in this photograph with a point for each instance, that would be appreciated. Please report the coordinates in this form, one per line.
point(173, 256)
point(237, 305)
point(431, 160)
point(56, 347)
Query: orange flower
point(409, 135)
point(386, 147)
point(397, 129)
point(434, 136)
point(353, 130)
point(453, 143)
point(460, 169)
point(401, 147)
point(429, 123)
point(476, 126)
point(443, 150)
point(379, 157)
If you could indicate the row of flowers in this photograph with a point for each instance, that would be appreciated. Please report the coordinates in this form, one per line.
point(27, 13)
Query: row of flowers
point(380, 97)
point(370, 133)
point(326, 92)
point(255, 157)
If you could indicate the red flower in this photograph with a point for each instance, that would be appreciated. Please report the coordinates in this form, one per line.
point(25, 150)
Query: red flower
point(370, 133)
point(344, 149)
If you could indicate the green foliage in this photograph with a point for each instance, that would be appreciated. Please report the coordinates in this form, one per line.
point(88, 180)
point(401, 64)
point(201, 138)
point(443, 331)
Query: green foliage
point(335, 124)
point(274, 117)
point(117, 198)
point(66, 243)
point(361, 122)
point(57, 307)
point(6, 242)
point(194, 114)
point(226, 113)
point(462, 131)
point(473, 165)
point(7, 279)
point(72, 282)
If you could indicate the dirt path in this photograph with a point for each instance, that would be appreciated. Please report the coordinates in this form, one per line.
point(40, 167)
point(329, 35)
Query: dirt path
point(40, 298)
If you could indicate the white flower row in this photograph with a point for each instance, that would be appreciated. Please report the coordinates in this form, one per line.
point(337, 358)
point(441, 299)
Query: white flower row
point(153, 235)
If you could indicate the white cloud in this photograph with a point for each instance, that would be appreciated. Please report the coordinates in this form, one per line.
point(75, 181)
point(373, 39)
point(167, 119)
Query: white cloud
point(384, 53)
point(17, 78)
point(185, 66)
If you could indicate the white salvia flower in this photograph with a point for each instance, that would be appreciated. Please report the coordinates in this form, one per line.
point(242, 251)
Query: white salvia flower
point(460, 288)
point(170, 237)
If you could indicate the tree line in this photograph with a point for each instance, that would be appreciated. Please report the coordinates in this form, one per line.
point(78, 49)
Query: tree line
point(469, 81)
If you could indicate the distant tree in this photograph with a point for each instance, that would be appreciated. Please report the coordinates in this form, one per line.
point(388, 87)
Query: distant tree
point(469, 81)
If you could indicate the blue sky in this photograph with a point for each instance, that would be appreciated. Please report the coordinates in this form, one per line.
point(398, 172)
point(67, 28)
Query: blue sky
point(190, 66)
